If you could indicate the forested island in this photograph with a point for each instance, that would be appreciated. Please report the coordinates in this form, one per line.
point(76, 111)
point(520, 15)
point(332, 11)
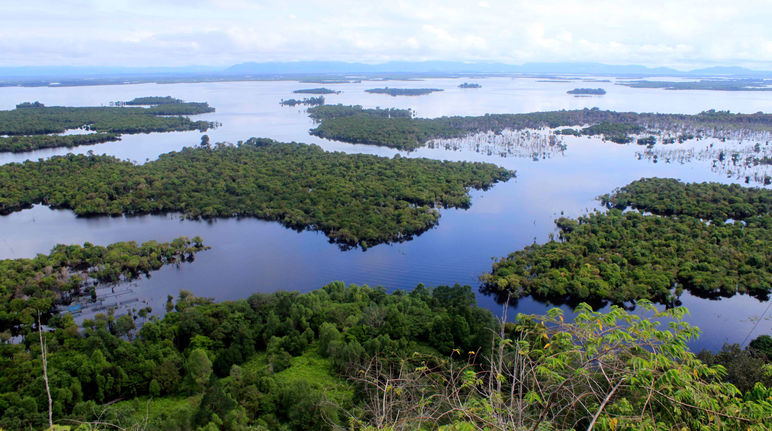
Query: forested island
point(403, 91)
point(705, 84)
point(469, 85)
point(309, 101)
point(355, 357)
point(587, 91)
point(399, 129)
point(33, 126)
point(355, 199)
point(316, 91)
point(710, 239)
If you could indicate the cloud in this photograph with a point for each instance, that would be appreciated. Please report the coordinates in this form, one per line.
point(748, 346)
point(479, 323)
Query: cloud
point(681, 33)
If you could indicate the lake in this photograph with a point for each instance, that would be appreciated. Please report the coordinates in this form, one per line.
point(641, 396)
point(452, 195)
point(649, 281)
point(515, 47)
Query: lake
point(250, 255)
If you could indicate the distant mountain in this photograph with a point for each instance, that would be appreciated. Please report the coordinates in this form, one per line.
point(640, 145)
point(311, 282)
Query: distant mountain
point(437, 67)
point(287, 69)
point(100, 71)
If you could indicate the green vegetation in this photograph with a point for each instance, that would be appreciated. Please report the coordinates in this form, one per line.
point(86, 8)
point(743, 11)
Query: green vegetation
point(316, 91)
point(470, 85)
point(310, 101)
point(18, 144)
point(29, 125)
point(398, 129)
point(71, 271)
point(627, 256)
point(403, 91)
point(709, 201)
point(361, 358)
point(273, 359)
point(588, 91)
point(355, 199)
point(744, 367)
point(153, 100)
point(705, 84)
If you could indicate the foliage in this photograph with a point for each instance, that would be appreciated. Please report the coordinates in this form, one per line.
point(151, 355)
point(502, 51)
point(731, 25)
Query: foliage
point(30, 285)
point(626, 256)
point(355, 199)
point(470, 85)
point(744, 367)
point(209, 359)
point(18, 144)
point(609, 371)
point(398, 129)
point(710, 201)
point(30, 124)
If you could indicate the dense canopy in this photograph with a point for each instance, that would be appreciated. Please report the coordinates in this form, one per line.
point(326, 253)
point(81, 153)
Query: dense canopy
point(397, 128)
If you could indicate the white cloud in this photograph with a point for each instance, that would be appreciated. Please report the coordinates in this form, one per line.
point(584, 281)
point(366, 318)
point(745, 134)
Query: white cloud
point(682, 33)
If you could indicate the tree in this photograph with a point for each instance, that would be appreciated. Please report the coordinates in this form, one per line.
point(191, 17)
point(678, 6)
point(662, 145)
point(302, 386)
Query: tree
point(199, 368)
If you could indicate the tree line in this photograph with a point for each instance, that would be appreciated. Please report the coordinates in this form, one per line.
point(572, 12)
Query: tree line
point(356, 357)
point(399, 129)
point(32, 125)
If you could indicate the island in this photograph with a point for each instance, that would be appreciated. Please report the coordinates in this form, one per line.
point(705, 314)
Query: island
point(400, 129)
point(403, 91)
point(316, 91)
point(309, 101)
point(587, 91)
point(355, 199)
point(709, 239)
point(470, 85)
point(33, 126)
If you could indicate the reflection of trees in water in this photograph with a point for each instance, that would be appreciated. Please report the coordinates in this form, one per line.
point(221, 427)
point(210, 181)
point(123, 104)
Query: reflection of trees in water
point(530, 143)
point(738, 154)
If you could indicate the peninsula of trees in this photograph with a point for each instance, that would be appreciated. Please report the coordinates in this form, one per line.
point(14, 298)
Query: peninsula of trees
point(34, 126)
point(399, 129)
point(710, 239)
point(403, 91)
point(587, 91)
point(356, 199)
point(71, 271)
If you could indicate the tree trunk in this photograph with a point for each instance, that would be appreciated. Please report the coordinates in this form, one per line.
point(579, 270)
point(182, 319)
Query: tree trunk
point(44, 357)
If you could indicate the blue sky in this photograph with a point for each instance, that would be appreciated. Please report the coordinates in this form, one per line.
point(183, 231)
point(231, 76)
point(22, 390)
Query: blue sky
point(681, 34)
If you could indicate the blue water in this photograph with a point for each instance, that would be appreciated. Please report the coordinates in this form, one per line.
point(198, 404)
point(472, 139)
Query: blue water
point(251, 255)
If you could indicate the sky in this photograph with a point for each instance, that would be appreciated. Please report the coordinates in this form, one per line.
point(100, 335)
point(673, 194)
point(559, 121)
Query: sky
point(677, 33)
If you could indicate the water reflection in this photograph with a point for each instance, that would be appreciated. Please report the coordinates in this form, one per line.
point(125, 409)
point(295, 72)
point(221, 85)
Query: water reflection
point(250, 255)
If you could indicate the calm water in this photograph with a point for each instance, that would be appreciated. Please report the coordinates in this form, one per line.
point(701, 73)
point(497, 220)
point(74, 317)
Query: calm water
point(250, 255)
